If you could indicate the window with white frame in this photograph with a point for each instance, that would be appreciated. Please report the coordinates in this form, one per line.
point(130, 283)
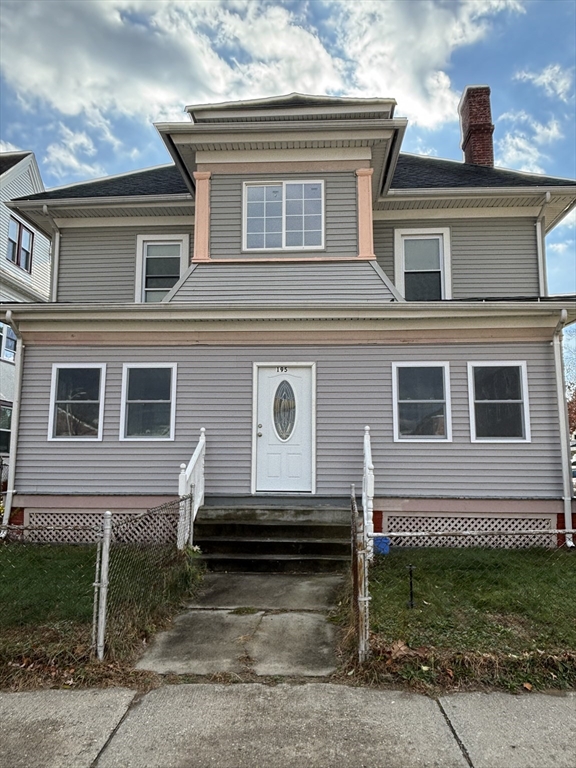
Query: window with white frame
point(20, 242)
point(498, 393)
point(148, 401)
point(5, 426)
point(422, 267)
point(77, 401)
point(421, 394)
point(287, 215)
point(7, 342)
point(161, 261)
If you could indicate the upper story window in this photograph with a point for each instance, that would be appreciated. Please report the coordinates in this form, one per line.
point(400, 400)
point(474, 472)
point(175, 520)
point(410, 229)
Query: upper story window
point(498, 393)
point(287, 215)
point(422, 264)
point(7, 342)
point(161, 262)
point(20, 241)
point(421, 401)
point(77, 401)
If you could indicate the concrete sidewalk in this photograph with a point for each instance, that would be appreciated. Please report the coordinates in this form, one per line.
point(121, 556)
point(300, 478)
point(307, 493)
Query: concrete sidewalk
point(315, 725)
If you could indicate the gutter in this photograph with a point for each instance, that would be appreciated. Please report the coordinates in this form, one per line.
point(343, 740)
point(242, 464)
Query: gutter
point(15, 420)
point(55, 254)
point(564, 432)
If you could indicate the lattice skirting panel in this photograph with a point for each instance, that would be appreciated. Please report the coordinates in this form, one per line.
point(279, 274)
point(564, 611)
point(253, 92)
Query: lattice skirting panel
point(86, 527)
point(460, 523)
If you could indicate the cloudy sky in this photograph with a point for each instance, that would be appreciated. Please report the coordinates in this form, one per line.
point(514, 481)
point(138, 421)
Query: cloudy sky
point(83, 81)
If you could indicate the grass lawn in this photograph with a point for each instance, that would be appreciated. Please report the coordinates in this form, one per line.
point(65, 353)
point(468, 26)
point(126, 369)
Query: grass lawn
point(491, 617)
point(46, 594)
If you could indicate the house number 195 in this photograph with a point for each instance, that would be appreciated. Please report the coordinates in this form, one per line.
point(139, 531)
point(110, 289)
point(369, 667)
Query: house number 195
point(281, 369)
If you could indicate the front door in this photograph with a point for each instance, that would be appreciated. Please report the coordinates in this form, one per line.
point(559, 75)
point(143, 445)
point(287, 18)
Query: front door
point(284, 428)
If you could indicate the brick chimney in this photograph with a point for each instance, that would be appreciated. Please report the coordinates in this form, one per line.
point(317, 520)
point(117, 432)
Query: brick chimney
point(476, 125)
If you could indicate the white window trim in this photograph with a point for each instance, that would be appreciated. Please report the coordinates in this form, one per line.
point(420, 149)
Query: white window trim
point(443, 233)
point(55, 368)
point(284, 247)
point(183, 240)
point(125, 368)
point(525, 402)
point(398, 438)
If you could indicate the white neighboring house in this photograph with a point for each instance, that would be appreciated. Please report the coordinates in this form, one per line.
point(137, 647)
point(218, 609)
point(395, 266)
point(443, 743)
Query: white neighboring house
point(24, 267)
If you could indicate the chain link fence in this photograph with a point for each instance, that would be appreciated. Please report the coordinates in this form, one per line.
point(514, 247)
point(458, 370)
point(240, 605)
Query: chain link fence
point(59, 606)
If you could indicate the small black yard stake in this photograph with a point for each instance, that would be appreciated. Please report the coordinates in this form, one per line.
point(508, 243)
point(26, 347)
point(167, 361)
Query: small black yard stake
point(410, 571)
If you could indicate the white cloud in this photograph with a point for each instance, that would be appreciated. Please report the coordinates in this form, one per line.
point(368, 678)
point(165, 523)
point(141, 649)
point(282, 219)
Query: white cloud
point(65, 158)
point(7, 146)
point(147, 58)
point(520, 148)
point(559, 247)
point(553, 79)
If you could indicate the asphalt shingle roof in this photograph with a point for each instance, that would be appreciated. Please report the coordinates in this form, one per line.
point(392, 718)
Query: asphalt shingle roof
point(166, 180)
point(10, 159)
point(414, 172)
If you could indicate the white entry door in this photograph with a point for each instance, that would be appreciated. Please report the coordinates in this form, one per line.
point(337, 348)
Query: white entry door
point(284, 428)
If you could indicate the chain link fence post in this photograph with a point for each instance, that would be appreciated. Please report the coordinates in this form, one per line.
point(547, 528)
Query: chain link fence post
point(107, 533)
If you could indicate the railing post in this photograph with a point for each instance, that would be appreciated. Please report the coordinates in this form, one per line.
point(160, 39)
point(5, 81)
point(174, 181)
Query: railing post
point(368, 493)
point(107, 530)
point(183, 516)
point(363, 594)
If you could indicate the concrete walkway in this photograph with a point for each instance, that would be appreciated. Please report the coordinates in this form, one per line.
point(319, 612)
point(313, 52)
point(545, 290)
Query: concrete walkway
point(265, 624)
point(313, 725)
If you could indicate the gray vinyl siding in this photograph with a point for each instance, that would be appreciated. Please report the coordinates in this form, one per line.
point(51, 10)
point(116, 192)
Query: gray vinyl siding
point(279, 283)
point(490, 257)
point(341, 222)
point(98, 264)
point(354, 388)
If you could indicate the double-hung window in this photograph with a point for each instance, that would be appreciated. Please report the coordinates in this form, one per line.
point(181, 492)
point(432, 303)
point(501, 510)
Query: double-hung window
point(498, 393)
point(287, 215)
point(20, 241)
point(422, 264)
point(161, 261)
point(5, 426)
point(148, 401)
point(7, 342)
point(77, 401)
point(421, 394)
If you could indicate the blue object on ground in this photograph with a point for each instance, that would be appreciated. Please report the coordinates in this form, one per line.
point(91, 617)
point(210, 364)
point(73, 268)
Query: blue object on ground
point(382, 545)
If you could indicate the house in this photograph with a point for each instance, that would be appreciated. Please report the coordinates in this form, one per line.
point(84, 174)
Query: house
point(289, 279)
point(24, 268)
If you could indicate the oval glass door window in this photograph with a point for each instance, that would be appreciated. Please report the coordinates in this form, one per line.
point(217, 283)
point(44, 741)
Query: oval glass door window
point(284, 410)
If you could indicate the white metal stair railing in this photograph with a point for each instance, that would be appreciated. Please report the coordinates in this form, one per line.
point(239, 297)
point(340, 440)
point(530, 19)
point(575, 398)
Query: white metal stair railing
point(191, 482)
point(368, 493)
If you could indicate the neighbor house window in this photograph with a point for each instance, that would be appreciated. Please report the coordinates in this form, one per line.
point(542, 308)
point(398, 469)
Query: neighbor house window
point(77, 402)
point(422, 264)
point(7, 342)
point(161, 262)
point(5, 425)
point(421, 394)
point(148, 401)
point(498, 395)
point(284, 216)
point(20, 240)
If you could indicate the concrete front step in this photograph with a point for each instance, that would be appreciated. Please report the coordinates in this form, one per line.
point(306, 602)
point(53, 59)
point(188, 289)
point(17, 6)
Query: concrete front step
point(261, 537)
point(246, 563)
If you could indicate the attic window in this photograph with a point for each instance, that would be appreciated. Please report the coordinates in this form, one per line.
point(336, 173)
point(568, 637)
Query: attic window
point(284, 216)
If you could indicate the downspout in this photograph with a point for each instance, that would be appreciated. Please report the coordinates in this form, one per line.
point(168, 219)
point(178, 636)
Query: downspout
point(55, 255)
point(563, 421)
point(541, 249)
point(15, 420)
